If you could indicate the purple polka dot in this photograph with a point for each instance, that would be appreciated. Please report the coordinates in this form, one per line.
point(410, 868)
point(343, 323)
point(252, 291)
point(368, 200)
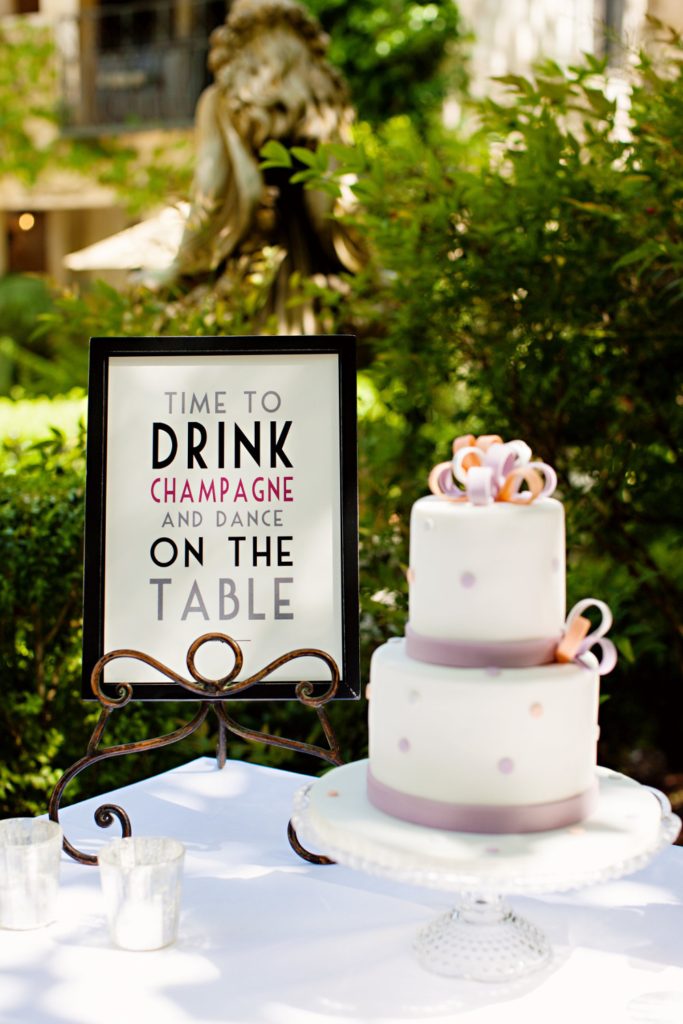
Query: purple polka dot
point(506, 765)
point(492, 670)
point(468, 579)
point(404, 745)
point(492, 850)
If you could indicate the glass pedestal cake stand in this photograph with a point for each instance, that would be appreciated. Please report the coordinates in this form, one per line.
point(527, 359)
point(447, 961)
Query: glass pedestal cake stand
point(483, 939)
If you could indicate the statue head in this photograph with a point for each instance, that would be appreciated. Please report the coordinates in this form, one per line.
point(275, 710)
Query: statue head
point(269, 62)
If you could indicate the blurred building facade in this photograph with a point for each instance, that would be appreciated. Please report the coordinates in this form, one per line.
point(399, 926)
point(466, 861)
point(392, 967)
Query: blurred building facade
point(136, 69)
point(133, 70)
point(512, 35)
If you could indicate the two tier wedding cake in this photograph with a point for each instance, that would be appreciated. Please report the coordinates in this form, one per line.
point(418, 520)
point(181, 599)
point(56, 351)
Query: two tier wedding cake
point(484, 717)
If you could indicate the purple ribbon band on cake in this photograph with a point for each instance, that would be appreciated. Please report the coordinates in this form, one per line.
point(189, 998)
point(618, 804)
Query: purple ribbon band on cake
point(461, 654)
point(574, 642)
point(489, 819)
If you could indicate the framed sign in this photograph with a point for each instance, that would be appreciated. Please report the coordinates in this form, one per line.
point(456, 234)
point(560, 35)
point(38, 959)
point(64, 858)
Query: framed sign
point(221, 496)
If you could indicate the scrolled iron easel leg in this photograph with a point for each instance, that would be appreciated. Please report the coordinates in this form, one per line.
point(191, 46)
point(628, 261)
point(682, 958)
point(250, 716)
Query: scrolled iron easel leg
point(221, 744)
point(312, 858)
point(108, 813)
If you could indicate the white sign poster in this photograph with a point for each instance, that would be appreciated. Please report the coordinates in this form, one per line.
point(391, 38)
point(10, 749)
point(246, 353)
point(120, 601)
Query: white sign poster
point(221, 499)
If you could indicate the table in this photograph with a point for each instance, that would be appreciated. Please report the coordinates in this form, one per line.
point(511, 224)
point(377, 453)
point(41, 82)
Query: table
point(266, 938)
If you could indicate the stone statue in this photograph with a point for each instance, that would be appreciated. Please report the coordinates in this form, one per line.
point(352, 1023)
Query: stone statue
point(271, 81)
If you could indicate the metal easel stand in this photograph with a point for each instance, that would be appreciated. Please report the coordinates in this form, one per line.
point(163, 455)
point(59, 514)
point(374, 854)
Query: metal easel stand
point(213, 694)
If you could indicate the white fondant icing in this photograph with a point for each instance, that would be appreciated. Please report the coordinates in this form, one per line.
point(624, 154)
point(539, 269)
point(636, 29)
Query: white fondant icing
point(467, 723)
point(626, 826)
point(505, 552)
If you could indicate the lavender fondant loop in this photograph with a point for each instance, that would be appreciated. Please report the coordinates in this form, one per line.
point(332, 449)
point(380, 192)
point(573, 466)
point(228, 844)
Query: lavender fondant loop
point(608, 655)
point(485, 818)
point(481, 489)
point(502, 460)
point(460, 654)
point(446, 484)
point(605, 617)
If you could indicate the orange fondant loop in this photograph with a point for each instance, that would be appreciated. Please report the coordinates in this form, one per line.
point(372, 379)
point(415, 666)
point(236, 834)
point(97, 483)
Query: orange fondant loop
point(465, 441)
point(569, 645)
point(464, 460)
point(486, 440)
point(469, 460)
point(522, 474)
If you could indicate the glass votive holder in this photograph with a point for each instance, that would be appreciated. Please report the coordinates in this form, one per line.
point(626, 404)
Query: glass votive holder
point(30, 852)
point(141, 882)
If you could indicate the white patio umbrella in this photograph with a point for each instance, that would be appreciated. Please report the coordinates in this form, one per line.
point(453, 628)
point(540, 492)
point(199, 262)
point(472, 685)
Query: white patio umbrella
point(149, 245)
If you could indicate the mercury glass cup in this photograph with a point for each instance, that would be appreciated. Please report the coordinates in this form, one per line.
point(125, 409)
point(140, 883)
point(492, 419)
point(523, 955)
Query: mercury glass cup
point(30, 851)
point(141, 882)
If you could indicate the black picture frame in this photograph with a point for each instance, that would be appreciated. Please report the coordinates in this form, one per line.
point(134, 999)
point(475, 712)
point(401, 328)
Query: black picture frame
point(119, 592)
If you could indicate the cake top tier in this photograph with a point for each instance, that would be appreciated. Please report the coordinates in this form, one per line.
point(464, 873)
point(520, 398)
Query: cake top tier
point(487, 565)
point(487, 469)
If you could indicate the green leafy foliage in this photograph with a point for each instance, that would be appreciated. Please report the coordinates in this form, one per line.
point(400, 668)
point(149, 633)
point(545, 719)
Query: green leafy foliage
point(398, 57)
point(28, 81)
point(32, 360)
point(41, 518)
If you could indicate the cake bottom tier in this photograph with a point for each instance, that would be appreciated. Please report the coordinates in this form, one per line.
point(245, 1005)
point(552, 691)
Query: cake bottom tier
point(482, 750)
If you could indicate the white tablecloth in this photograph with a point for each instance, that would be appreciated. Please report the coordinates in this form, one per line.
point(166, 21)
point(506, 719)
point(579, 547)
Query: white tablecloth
point(269, 939)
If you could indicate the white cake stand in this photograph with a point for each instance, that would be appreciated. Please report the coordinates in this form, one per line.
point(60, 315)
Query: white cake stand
point(482, 939)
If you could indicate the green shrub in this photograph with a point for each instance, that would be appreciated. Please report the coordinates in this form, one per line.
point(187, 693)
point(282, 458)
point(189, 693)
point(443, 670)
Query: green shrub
point(41, 519)
point(399, 58)
point(44, 725)
point(25, 420)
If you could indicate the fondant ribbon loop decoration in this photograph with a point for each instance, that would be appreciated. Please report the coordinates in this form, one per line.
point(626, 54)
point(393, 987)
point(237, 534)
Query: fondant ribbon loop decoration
point(441, 482)
point(486, 469)
point(480, 485)
point(577, 639)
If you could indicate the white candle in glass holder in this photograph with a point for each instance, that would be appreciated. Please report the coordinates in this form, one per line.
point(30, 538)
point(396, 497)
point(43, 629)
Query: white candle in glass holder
point(141, 925)
point(141, 879)
point(30, 852)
